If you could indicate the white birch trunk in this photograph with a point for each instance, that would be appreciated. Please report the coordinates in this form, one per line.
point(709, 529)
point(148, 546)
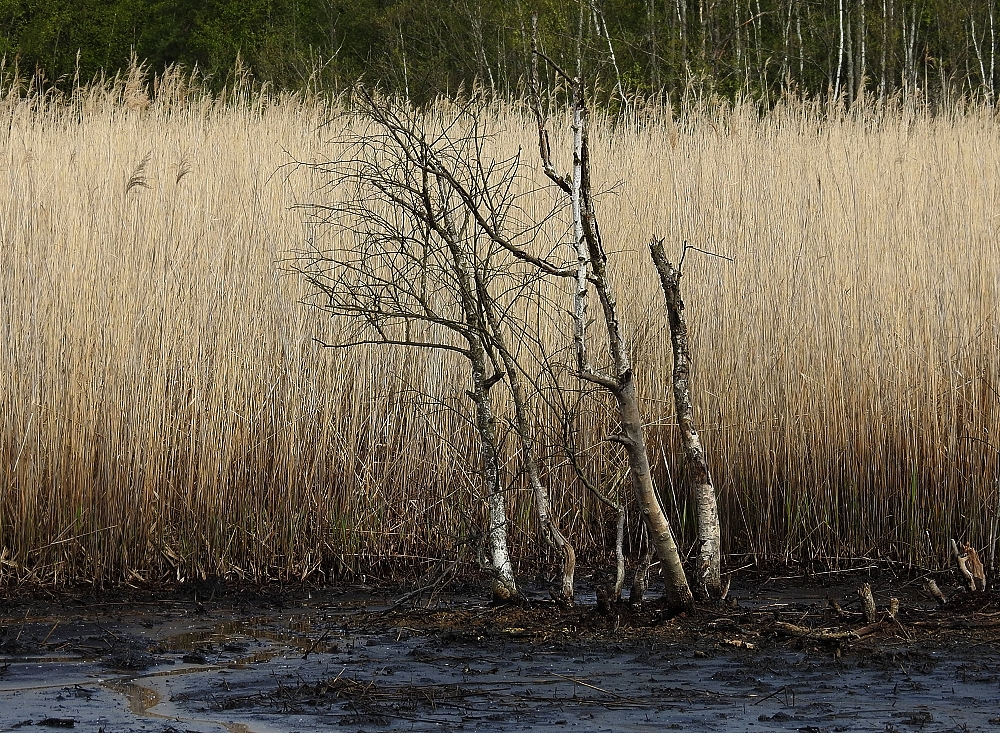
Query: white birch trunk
point(677, 593)
point(496, 556)
point(993, 47)
point(840, 51)
point(863, 40)
point(979, 56)
point(786, 70)
point(885, 44)
point(849, 55)
point(547, 523)
point(802, 52)
point(504, 584)
point(591, 269)
point(676, 590)
point(708, 582)
point(601, 26)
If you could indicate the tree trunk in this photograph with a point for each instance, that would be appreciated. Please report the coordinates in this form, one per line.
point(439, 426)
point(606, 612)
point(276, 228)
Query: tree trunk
point(496, 557)
point(910, 40)
point(993, 46)
point(786, 72)
point(849, 55)
point(654, 53)
point(708, 582)
point(641, 580)
point(863, 43)
point(704, 19)
point(484, 71)
point(591, 268)
point(543, 506)
point(738, 35)
point(765, 88)
point(676, 591)
point(886, 19)
point(601, 26)
point(547, 523)
point(979, 54)
point(802, 53)
point(682, 21)
point(619, 554)
point(840, 52)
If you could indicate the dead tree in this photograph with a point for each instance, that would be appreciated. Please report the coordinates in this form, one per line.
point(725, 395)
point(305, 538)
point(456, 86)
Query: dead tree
point(708, 580)
point(419, 211)
point(591, 270)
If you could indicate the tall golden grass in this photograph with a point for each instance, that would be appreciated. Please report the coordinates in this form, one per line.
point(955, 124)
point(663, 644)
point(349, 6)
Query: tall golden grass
point(165, 411)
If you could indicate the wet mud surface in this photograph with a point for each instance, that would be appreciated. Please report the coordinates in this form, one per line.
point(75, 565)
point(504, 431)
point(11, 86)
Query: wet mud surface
point(218, 660)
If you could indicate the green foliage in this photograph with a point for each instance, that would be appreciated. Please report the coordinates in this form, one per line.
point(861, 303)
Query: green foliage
point(761, 48)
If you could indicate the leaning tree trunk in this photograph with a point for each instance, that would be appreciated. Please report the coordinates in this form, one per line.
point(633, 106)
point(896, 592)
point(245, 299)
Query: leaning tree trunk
point(550, 528)
point(543, 506)
point(547, 522)
point(708, 582)
point(677, 592)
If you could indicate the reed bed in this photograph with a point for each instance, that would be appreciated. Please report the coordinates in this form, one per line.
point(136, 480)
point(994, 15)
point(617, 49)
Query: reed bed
point(166, 413)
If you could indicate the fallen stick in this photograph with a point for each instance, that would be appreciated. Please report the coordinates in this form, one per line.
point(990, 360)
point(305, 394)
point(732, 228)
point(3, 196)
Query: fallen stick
point(825, 634)
point(841, 613)
point(963, 623)
point(773, 694)
point(576, 681)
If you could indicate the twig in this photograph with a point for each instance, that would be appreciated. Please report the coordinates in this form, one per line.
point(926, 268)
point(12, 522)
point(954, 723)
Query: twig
point(312, 647)
point(576, 681)
point(768, 697)
point(49, 635)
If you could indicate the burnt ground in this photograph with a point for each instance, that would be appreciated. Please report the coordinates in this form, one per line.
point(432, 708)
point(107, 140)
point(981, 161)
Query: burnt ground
point(215, 658)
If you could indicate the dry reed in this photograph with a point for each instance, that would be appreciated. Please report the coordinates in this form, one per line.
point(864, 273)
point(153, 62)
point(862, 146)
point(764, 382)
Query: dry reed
point(165, 412)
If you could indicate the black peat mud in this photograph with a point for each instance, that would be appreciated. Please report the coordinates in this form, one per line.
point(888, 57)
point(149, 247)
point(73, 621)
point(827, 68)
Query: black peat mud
point(784, 659)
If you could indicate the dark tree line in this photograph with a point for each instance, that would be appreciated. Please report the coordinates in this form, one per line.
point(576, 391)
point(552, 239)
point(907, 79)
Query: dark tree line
point(421, 48)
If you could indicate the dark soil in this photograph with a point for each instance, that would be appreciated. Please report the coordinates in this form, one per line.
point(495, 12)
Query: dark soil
point(782, 658)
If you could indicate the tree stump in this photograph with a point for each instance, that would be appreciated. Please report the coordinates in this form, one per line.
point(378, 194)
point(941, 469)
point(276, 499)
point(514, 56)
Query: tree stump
point(868, 603)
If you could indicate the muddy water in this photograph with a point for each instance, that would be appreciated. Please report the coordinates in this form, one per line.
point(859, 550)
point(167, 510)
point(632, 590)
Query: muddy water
point(318, 663)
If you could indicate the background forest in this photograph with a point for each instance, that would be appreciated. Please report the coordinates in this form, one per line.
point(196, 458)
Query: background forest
point(938, 48)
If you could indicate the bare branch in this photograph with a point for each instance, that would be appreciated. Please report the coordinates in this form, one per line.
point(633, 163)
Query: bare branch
point(544, 148)
point(391, 342)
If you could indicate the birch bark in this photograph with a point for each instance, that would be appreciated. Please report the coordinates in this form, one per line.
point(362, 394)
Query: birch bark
point(547, 522)
point(840, 51)
point(708, 581)
point(496, 556)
